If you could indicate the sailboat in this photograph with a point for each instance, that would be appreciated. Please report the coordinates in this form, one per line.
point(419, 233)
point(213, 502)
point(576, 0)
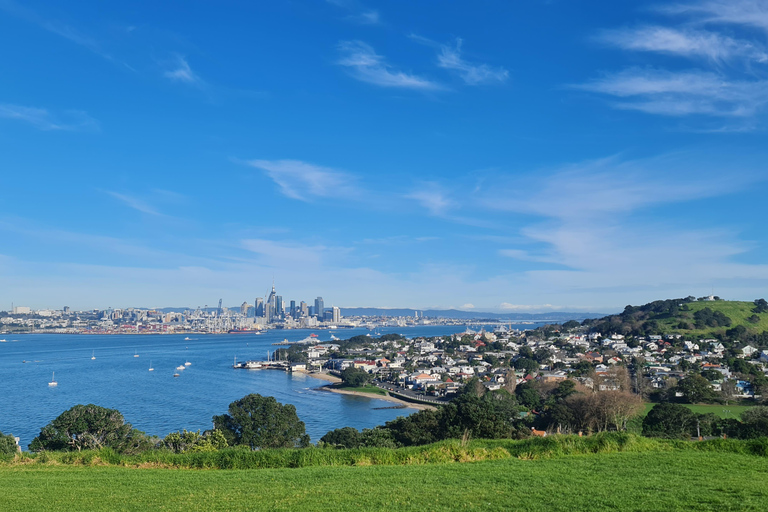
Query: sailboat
point(53, 380)
point(93, 355)
point(136, 353)
point(150, 367)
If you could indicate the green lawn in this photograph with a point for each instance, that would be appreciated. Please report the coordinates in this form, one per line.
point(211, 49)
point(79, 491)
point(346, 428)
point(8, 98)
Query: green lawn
point(724, 411)
point(663, 481)
point(366, 389)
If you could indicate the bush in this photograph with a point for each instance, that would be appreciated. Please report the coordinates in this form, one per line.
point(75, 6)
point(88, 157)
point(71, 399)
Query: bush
point(8, 445)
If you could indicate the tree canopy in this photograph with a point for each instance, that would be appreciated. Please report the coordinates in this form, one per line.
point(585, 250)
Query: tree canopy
point(90, 427)
point(7, 444)
point(262, 422)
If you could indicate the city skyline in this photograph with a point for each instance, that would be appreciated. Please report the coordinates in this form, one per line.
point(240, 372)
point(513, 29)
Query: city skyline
point(503, 157)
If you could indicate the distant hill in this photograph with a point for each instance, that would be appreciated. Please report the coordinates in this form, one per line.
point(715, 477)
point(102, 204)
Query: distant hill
point(686, 316)
point(558, 316)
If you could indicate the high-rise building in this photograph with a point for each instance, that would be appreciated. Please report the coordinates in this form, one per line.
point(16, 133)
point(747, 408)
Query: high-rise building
point(319, 308)
point(293, 309)
point(303, 310)
point(279, 308)
point(259, 307)
point(336, 315)
point(244, 307)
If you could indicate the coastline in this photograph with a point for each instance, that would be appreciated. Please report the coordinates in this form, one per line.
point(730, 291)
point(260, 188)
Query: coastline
point(335, 380)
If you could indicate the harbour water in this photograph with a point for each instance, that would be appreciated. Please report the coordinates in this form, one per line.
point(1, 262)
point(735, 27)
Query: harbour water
point(158, 403)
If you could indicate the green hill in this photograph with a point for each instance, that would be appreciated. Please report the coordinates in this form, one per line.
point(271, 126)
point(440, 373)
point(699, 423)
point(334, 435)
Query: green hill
point(736, 319)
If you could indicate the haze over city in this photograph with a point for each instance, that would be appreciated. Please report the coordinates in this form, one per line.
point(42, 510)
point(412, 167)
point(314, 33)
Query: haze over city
point(496, 156)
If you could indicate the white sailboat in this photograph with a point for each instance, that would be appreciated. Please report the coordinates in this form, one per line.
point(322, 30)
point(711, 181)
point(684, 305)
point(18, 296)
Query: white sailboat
point(93, 355)
point(150, 367)
point(136, 353)
point(53, 380)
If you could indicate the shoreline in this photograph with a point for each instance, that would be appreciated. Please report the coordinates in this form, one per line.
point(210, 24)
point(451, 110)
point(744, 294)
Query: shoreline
point(388, 398)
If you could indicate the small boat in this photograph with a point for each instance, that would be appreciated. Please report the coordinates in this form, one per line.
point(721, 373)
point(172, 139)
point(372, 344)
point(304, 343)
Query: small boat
point(93, 355)
point(175, 374)
point(136, 353)
point(150, 367)
point(181, 367)
point(53, 380)
point(187, 338)
point(187, 364)
point(3, 340)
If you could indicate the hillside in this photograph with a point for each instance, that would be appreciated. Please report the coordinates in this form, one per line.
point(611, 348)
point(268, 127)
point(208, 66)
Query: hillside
point(686, 316)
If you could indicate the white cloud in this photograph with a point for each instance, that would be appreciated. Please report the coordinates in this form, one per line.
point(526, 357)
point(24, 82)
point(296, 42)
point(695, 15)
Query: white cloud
point(367, 66)
point(44, 120)
point(752, 13)
point(432, 197)
point(685, 42)
point(135, 203)
point(473, 74)
point(182, 72)
point(305, 181)
point(680, 93)
point(506, 306)
point(468, 306)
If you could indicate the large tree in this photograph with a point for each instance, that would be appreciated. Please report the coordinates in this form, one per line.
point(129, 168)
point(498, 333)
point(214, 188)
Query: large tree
point(670, 420)
point(696, 388)
point(90, 427)
point(262, 422)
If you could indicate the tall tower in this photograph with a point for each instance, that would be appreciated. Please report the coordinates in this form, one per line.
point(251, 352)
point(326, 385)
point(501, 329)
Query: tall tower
point(293, 309)
point(336, 315)
point(319, 308)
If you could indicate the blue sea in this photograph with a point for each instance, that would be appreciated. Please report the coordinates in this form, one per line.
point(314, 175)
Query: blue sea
point(158, 403)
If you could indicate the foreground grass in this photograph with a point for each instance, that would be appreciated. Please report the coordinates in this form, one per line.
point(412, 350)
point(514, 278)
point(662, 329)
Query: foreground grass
point(673, 480)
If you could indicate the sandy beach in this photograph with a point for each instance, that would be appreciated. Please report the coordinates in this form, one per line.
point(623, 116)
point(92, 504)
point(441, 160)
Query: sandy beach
point(334, 380)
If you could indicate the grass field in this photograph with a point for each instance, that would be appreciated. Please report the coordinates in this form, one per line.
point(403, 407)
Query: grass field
point(365, 389)
point(737, 311)
point(724, 411)
point(676, 480)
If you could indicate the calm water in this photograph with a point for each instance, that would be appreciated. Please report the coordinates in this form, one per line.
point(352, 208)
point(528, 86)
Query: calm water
point(158, 403)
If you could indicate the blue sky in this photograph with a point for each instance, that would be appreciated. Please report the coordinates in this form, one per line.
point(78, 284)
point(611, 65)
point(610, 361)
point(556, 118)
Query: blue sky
point(508, 156)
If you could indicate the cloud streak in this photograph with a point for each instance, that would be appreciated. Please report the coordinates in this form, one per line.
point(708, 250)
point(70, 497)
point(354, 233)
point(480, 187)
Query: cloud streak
point(43, 119)
point(473, 74)
point(366, 65)
point(182, 72)
point(135, 203)
point(304, 181)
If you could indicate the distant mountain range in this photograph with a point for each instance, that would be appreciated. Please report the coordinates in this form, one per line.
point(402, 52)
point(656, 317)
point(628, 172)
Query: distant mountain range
point(555, 316)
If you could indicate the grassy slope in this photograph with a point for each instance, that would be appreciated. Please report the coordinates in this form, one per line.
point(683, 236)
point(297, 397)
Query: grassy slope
point(718, 410)
point(737, 311)
point(617, 481)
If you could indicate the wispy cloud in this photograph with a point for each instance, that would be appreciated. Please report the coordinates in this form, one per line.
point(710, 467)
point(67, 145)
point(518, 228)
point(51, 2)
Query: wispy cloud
point(367, 66)
point(59, 28)
point(180, 71)
point(135, 203)
point(305, 181)
point(473, 74)
point(45, 120)
point(753, 13)
point(506, 306)
point(680, 93)
point(432, 197)
point(359, 13)
point(686, 42)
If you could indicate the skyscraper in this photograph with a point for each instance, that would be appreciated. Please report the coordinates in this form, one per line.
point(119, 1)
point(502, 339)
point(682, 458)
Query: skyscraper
point(259, 307)
point(319, 308)
point(293, 309)
point(336, 315)
point(303, 310)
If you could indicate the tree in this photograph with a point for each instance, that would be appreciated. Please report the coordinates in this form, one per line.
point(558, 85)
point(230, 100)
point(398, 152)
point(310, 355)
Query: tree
point(355, 377)
point(8, 445)
point(695, 388)
point(754, 423)
point(346, 437)
point(669, 420)
point(90, 427)
point(186, 441)
point(761, 306)
point(262, 422)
